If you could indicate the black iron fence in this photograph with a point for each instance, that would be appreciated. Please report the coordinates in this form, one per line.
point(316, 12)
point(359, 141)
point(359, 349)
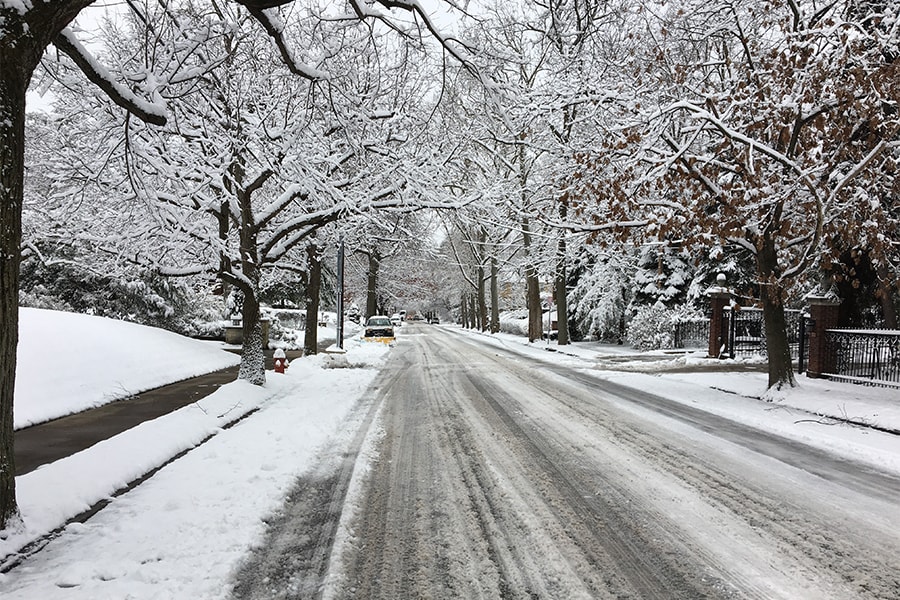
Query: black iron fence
point(747, 332)
point(864, 356)
point(692, 334)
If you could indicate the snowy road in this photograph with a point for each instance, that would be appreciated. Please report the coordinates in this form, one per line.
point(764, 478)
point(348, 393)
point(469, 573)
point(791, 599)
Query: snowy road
point(500, 477)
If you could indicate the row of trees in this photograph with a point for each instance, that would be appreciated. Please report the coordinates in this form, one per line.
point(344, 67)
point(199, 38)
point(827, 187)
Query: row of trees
point(252, 137)
point(543, 145)
point(762, 139)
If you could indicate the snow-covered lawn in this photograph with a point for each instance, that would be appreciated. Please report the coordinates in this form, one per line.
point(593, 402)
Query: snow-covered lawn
point(183, 532)
point(70, 362)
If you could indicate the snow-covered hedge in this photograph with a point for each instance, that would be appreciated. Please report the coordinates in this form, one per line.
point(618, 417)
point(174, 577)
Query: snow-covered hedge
point(653, 327)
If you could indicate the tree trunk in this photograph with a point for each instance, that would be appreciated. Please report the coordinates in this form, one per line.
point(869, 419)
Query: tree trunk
point(372, 289)
point(253, 361)
point(532, 289)
point(885, 296)
point(482, 306)
point(533, 302)
point(13, 83)
point(562, 306)
point(495, 298)
point(473, 312)
point(313, 285)
point(781, 370)
point(222, 219)
point(463, 317)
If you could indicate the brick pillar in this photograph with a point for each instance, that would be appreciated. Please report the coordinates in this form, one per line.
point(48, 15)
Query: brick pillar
point(823, 312)
point(719, 298)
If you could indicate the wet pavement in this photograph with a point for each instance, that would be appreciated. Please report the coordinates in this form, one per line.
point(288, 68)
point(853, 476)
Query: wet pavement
point(44, 443)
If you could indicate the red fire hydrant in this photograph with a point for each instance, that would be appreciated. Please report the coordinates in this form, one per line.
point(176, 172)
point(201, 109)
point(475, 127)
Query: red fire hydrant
point(281, 361)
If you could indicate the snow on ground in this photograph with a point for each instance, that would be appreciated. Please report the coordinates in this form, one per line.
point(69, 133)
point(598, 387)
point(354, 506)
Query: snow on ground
point(180, 534)
point(836, 417)
point(68, 362)
point(183, 532)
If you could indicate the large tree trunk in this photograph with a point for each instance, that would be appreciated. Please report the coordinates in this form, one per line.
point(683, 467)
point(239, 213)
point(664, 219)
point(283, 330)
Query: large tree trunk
point(532, 290)
point(313, 285)
point(533, 302)
point(222, 219)
point(23, 38)
point(495, 297)
point(463, 316)
point(253, 361)
point(781, 370)
point(13, 83)
point(562, 307)
point(372, 289)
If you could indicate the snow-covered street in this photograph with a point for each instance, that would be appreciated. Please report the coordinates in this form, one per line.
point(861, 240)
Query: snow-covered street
point(479, 466)
point(500, 475)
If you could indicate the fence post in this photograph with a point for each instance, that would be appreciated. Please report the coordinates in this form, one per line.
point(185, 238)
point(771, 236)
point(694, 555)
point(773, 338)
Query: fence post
point(823, 313)
point(719, 298)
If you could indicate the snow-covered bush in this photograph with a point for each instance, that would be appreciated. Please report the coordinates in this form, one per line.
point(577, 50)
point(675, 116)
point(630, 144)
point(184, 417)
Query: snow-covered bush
point(653, 327)
point(514, 322)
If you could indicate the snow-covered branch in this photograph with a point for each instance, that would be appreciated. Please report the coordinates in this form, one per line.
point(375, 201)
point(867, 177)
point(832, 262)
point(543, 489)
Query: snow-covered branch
point(275, 28)
point(150, 112)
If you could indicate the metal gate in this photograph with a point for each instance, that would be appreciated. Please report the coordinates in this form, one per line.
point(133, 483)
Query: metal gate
point(747, 332)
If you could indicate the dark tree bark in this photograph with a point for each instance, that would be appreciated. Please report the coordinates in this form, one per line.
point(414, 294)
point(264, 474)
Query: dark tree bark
point(781, 370)
point(532, 290)
point(372, 284)
point(495, 297)
point(313, 285)
point(482, 305)
point(463, 317)
point(13, 83)
point(562, 308)
point(562, 305)
point(23, 39)
point(533, 301)
point(886, 293)
point(253, 365)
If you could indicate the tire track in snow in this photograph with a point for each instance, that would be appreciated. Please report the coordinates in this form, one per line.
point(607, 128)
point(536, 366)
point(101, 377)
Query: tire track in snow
point(820, 542)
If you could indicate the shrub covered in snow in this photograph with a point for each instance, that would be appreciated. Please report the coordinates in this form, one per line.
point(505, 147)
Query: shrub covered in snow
point(653, 327)
point(514, 322)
